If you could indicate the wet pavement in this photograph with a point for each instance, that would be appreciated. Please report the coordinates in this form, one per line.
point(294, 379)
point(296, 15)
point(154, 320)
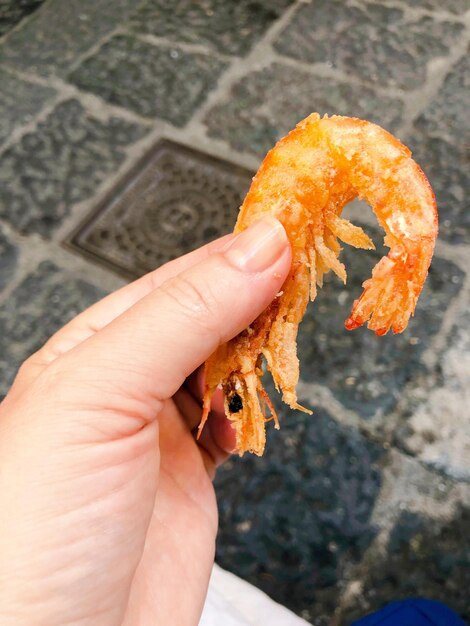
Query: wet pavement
point(368, 499)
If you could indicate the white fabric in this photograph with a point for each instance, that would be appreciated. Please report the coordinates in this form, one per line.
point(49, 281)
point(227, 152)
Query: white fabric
point(232, 601)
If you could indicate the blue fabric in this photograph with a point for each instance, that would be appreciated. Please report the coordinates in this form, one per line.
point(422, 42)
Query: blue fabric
point(412, 613)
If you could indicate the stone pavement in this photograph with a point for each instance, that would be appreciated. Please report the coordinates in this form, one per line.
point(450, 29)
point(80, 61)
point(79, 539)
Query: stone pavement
point(367, 500)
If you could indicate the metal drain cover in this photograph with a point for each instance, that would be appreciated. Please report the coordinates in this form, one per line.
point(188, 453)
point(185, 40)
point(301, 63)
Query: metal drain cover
point(176, 200)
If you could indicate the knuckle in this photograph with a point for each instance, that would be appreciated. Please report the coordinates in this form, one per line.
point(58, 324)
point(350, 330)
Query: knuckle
point(196, 302)
point(153, 280)
point(27, 365)
point(31, 366)
point(52, 379)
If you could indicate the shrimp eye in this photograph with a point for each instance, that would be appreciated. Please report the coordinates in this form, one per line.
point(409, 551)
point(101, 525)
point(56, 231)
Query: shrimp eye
point(235, 404)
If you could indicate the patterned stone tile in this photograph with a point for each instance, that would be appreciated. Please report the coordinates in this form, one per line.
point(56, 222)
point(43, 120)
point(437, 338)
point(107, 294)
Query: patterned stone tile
point(448, 114)
point(176, 200)
point(40, 305)
point(370, 41)
point(266, 104)
point(153, 81)
point(447, 165)
point(229, 27)
point(423, 558)
point(437, 429)
point(13, 11)
point(294, 520)
point(62, 162)
point(8, 260)
point(368, 373)
point(20, 100)
point(56, 35)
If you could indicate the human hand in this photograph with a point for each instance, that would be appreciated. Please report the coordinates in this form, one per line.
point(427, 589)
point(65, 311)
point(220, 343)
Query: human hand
point(107, 510)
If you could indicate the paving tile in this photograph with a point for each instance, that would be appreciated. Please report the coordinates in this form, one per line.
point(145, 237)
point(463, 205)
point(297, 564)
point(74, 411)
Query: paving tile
point(9, 258)
point(368, 373)
point(52, 39)
point(40, 305)
point(294, 520)
point(423, 558)
point(229, 27)
point(153, 81)
point(436, 429)
point(447, 115)
point(369, 41)
point(446, 164)
point(20, 100)
point(62, 162)
point(174, 201)
point(266, 104)
point(13, 11)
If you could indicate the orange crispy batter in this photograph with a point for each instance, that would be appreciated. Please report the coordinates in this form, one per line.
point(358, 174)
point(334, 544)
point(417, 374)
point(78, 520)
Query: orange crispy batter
point(305, 181)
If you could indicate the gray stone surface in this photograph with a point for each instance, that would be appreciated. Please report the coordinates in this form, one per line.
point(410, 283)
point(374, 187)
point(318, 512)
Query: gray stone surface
point(8, 260)
point(59, 32)
point(20, 100)
point(266, 104)
point(445, 163)
point(423, 558)
point(366, 373)
point(13, 11)
point(437, 429)
point(62, 162)
point(40, 305)
point(454, 6)
point(153, 81)
point(447, 115)
point(421, 548)
point(441, 141)
point(295, 520)
point(229, 27)
point(376, 43)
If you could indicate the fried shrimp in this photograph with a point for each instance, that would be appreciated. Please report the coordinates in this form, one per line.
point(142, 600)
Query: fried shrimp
point(305, 181)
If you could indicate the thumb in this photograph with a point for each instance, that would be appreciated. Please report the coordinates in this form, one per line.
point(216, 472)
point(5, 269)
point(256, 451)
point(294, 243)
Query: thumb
point(141, 358)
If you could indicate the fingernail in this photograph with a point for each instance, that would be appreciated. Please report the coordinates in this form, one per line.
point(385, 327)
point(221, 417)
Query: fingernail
point(259, 246)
